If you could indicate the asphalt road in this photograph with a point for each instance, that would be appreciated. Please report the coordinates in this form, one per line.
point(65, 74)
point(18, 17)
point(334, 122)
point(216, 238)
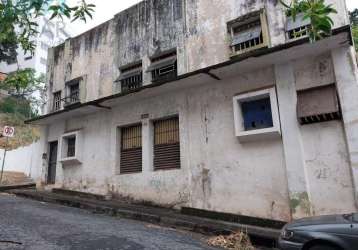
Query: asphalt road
point(33, 225)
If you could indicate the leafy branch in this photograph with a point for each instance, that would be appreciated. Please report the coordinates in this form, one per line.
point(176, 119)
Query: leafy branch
point(17, 21)
point(317, 11)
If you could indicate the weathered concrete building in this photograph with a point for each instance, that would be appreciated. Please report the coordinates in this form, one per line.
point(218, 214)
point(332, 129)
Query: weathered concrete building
point(221, 105)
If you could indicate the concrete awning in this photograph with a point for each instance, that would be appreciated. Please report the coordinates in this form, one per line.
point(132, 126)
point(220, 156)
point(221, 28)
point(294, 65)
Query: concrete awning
point(240, 64)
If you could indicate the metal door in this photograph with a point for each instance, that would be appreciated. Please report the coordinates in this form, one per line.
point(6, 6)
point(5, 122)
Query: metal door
point(51, 173)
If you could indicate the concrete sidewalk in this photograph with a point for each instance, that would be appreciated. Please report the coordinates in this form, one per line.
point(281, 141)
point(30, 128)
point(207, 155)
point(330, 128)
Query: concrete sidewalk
point(161, 216)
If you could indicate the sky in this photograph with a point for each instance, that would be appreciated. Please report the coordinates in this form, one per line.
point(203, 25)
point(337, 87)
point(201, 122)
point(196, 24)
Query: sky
point(106, 9)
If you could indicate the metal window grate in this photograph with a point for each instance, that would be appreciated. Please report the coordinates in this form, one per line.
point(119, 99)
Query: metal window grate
point(165, 73)
point(131, 149)
point(57, 101)
point(247, 36)
point(297, 28)
point(132, 82)
point(298, 32)
point(71, 146)
point(166, 144)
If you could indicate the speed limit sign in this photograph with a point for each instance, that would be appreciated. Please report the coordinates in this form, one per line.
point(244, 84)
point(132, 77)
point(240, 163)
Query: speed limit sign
point(8, 131)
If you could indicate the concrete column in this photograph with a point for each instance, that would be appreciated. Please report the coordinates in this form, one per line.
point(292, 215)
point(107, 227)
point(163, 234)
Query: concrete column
point(346, 73)
point(147, 147)
point(292, 142)
point(44, 162)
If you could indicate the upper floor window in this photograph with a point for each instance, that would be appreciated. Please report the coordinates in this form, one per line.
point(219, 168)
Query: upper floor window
point(297, 28)
point(57, 101)
point(164, 67)
point(248, 32)
point(73, 92)
point(131, 77)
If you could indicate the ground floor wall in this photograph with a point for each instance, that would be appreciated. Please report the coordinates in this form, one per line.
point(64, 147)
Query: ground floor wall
point(218, 172)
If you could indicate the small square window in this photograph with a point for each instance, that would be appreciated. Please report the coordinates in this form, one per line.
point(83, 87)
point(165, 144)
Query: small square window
point(256, 115)
point(70, 148)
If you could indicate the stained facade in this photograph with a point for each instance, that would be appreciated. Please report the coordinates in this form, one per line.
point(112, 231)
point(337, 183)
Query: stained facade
point(224, 106)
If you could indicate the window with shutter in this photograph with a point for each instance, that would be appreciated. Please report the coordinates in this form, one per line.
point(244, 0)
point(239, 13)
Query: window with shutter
point(166, 144)
point(131, 77)
point(163, 67)
point(297, 28)
point(248, 32)
point(131, 149)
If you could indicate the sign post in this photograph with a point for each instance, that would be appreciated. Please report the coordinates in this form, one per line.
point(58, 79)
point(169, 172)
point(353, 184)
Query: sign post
point(7, 132)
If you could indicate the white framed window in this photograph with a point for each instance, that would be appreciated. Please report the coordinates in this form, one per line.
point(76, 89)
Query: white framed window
point(70, 149)
point(256, 115)
point(297, 28)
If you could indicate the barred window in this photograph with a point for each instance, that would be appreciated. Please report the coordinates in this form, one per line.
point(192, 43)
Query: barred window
point(297, 28)
point(131, 149)
point(131, 77)
point(164, 67)
point(166, 144)
point(57, 101)
point(71, 146)
point(248, 32)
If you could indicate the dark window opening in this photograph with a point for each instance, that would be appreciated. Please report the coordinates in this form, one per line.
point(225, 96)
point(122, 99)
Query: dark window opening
point(57, 101)
point(132, 82)
point(131, 77)
point(165, 73)
point(257, 114)
point(71, 146)
point(73, 91)
point(166, 144)
point(131, 149)
point(164, 67)
point(28, 58)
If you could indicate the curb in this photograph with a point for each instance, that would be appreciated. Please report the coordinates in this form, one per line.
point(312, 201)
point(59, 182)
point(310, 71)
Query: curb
point(17, 186)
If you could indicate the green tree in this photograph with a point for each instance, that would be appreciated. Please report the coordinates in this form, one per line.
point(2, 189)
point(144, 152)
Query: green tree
point(354, 22)
point(317, 11)
point(18, 25)
point(18, 29)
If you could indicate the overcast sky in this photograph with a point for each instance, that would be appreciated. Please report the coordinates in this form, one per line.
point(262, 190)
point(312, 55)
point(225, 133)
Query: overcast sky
point(106, 9)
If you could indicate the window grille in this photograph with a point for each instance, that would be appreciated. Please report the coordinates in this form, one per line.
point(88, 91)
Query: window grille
point(166, 144)
point(73, 94)
point(131, 77)
point(131, 149)
point(57, 101)
point(297, 28)
point(164, 67)
point(248, 32)
point(71, 146)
